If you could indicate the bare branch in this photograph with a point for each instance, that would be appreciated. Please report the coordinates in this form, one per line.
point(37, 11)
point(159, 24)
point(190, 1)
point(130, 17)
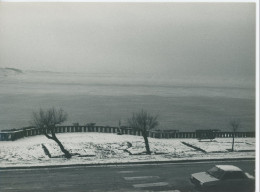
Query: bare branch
point(143, 121)
point(49, 118)
point(235, 123)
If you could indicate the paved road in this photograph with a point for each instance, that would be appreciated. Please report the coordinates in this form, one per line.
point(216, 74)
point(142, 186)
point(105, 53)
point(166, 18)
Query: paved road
point(159, 177)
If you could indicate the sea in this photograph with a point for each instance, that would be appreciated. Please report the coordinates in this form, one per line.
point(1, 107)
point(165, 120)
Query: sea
point(182, 103)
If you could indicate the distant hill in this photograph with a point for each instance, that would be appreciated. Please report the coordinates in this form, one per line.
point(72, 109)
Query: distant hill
point(10, 71)
point(14, 69)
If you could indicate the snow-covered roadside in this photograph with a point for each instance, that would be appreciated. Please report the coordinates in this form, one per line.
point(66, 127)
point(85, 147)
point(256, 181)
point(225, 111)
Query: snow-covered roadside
point(102, 148)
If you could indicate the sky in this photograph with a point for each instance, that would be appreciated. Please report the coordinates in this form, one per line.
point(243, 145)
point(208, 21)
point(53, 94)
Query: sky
point(189, 39)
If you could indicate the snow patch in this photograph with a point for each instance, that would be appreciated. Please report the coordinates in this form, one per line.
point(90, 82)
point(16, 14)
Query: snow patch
point(96, 148)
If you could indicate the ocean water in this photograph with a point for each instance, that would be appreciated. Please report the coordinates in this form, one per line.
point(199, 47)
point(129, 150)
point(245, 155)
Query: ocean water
point(182, 103)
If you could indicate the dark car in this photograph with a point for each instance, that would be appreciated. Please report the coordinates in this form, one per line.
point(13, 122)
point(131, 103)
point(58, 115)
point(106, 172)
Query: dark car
point(222, 178)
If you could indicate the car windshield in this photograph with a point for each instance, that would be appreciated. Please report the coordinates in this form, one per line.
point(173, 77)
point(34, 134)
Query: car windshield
point(215, 172)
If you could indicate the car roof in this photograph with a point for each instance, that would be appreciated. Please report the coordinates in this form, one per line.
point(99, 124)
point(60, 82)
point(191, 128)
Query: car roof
point(228, 168)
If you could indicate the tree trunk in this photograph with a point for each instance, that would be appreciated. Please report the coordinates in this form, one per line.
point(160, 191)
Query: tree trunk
point(147, 147)
point(66, 152)
point(233, 140)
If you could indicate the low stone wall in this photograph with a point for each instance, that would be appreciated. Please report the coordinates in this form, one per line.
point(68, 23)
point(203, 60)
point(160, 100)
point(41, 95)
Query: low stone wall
point(12, 135)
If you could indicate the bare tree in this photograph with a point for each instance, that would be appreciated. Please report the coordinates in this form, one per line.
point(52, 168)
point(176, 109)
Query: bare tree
point(143, 121)
point(234, 123)
point(49, 119)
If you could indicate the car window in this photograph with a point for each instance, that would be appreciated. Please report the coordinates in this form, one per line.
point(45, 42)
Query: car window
point(216, 172)
point(234, 175)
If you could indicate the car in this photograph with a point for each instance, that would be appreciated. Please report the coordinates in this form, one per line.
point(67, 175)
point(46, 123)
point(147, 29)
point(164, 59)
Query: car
point(222, 178)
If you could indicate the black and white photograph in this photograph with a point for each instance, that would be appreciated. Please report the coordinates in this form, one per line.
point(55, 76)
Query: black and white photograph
point(121, 96)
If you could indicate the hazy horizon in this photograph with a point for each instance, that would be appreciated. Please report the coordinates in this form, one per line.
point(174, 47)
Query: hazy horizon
point(185, 39)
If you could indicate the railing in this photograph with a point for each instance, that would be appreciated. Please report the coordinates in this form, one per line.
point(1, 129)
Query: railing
point(12, 135)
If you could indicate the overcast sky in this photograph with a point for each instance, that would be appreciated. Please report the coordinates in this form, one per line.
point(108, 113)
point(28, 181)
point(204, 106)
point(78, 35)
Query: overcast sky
point(165, 38)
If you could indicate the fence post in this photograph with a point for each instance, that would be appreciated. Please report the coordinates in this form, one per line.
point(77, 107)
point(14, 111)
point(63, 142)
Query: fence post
point(31, 131)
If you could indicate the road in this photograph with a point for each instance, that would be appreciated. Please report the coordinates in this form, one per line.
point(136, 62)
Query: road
point(155, 177)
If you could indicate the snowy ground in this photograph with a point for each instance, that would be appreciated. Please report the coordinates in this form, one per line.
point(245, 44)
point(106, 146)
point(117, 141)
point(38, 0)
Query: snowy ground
point(93, 148)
